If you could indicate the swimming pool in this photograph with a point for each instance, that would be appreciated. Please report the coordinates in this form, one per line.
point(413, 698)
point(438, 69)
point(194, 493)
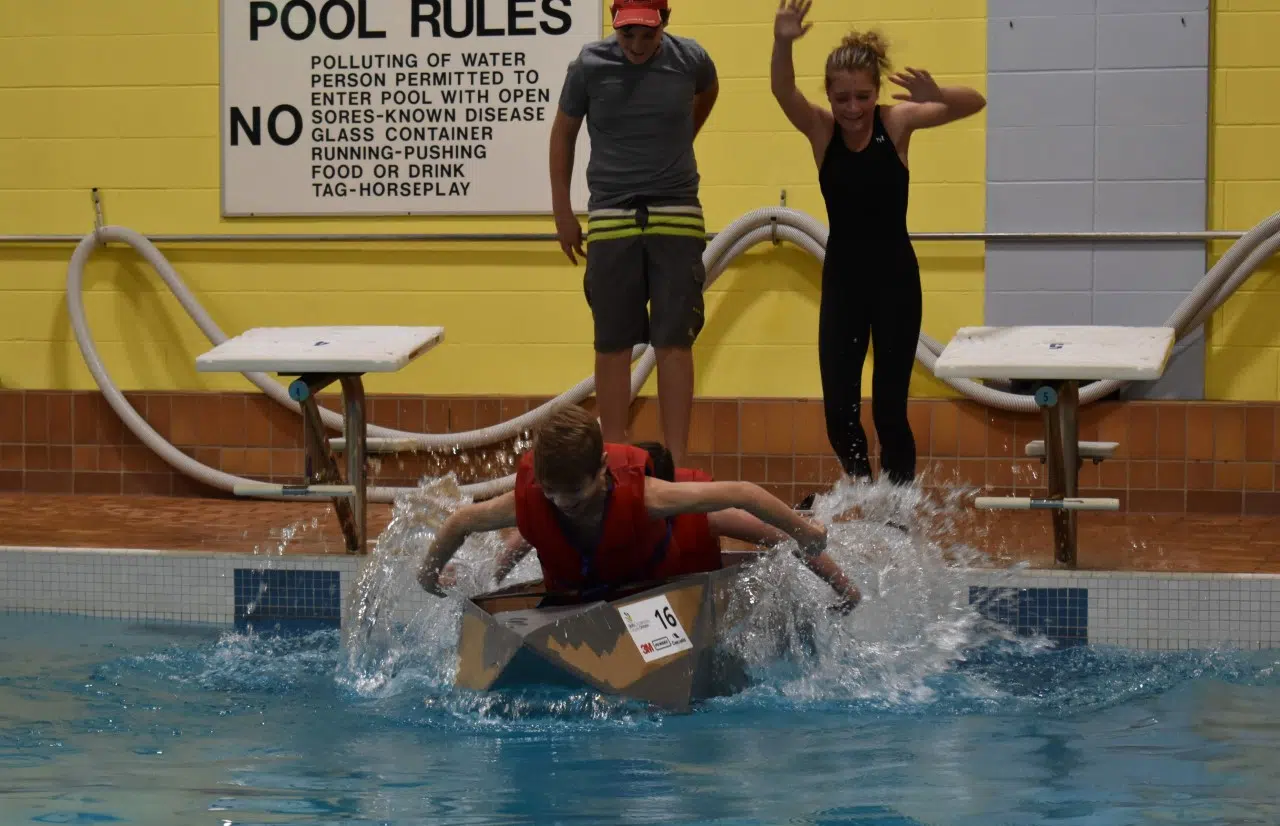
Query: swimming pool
point(105, 720)
point(159, 688)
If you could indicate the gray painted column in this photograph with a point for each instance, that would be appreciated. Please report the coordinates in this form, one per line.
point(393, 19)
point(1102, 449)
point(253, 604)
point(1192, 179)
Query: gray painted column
point(1098, 117)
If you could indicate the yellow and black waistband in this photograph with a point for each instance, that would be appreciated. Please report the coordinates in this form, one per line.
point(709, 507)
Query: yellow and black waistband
point(607, 224)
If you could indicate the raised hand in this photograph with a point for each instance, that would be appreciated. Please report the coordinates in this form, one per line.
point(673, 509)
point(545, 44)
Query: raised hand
point(789, 23)
point(920, 86)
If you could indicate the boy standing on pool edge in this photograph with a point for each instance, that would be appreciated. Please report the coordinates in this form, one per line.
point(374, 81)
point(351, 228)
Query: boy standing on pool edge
point(645, 94)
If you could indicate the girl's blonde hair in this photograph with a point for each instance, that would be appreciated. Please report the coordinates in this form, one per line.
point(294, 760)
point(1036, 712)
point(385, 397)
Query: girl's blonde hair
point(860, 50)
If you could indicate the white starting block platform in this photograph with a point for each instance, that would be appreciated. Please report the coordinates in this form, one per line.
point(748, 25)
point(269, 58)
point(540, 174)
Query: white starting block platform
point(292, 351)
point(1079, 353)
point(319, 356)
point(1058, 359)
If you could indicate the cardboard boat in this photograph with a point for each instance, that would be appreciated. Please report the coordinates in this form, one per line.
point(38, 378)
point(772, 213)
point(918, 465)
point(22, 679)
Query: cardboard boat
point(656, 643)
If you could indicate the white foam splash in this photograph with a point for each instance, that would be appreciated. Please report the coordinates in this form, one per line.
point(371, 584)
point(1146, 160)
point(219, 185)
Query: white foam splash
point(914, 622)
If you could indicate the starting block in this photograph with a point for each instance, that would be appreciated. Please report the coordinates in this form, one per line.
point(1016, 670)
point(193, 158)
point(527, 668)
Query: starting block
point(1058, 359)
point(320, 356)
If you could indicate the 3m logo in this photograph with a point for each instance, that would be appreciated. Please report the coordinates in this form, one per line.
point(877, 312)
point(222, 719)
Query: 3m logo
point(646, 648)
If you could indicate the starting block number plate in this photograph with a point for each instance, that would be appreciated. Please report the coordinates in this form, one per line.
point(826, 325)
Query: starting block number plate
point(655, 628)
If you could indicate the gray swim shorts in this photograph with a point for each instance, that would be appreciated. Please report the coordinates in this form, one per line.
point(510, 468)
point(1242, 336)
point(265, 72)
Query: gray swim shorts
point(645, 276)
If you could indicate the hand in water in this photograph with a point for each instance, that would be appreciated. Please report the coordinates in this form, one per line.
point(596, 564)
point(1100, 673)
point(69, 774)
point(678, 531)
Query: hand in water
point(846, 605)
point(920, 86)
point(814, 539)
point(789, 23)
point(429, 579)
point(569, 233)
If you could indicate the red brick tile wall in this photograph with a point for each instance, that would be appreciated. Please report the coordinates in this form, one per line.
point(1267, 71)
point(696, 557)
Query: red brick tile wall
point(1174, 457)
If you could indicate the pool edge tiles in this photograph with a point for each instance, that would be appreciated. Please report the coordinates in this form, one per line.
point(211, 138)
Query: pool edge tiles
point(169, 586)
point(1138, 609)
point(1149, 610)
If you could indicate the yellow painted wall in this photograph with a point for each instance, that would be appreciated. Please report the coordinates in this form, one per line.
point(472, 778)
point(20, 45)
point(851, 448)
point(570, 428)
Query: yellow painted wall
point(123, 95)
point(1243, 361)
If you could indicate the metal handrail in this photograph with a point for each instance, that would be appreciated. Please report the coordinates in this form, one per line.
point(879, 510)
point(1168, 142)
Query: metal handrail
point(506, 237)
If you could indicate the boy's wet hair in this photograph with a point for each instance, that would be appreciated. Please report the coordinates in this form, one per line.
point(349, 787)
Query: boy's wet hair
point(568, 449)
point(664, 466)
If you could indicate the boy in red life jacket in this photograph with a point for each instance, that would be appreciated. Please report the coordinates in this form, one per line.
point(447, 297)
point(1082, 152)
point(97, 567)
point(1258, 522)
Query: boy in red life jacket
point(599, 518)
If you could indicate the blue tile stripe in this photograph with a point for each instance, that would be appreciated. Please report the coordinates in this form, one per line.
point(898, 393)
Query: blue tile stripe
point(290, 594)
point(1061, 614)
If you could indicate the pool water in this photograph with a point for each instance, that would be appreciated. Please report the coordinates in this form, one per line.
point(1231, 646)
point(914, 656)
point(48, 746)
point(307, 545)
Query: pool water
point(109, 721)
point(914, 710)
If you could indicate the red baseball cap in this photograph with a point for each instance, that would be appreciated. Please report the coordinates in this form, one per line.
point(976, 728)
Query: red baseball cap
point(638, 13)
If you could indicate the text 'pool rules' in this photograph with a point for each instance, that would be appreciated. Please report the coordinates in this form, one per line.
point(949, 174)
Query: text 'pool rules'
point(346, 107)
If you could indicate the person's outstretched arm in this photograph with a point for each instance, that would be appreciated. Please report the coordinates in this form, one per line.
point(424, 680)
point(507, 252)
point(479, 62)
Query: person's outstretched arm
point(814, 122)
point(491, 515)
point(826, 569)
point(514, 549)
point(927, 105)
point(740, 525)
point(664, 499)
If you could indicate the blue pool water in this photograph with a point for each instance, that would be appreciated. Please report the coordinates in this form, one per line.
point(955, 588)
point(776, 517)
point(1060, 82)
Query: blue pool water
point(110, 721)
point(917, 709)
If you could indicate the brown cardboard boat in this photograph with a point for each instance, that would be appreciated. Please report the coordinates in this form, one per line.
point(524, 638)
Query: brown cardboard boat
point(654, 643)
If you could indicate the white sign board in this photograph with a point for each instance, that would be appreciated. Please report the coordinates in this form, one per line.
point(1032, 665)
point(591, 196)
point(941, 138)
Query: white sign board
point(345, 107)
point(654, 628)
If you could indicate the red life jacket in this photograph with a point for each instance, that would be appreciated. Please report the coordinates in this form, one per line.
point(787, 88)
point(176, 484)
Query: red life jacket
point(631, 546)
point(696, 549)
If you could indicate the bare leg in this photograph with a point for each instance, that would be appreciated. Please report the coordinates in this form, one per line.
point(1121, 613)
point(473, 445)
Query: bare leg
point(613, 394)
point(675, 399)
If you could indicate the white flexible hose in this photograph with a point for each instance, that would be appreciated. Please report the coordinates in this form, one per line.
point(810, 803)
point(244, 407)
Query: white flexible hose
point(752, 228)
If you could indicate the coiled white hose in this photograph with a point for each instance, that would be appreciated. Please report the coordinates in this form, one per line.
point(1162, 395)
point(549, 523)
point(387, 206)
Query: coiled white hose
point(755, 227)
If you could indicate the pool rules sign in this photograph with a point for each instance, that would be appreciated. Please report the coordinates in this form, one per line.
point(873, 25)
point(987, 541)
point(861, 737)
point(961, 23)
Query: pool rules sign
point(346, 107)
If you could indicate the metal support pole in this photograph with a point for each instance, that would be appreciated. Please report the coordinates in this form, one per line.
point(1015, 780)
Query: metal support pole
point(1059, 402)
point(321, 465)
point(357, 476)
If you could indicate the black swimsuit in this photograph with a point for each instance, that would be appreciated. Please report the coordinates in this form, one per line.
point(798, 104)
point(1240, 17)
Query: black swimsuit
point(870, 292)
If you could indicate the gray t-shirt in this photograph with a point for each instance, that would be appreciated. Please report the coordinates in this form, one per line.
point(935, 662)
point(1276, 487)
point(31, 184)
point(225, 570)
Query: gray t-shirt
point(639, 120)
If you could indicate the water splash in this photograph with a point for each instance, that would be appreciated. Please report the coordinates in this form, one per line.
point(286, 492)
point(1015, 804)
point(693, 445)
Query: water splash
point(393, 630)
point(915, 620)
point(914, 624)
point(281, 538)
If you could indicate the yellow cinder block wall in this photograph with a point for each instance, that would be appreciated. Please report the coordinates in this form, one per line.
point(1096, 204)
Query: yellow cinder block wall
point(1243, 358)
point(123, 96)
